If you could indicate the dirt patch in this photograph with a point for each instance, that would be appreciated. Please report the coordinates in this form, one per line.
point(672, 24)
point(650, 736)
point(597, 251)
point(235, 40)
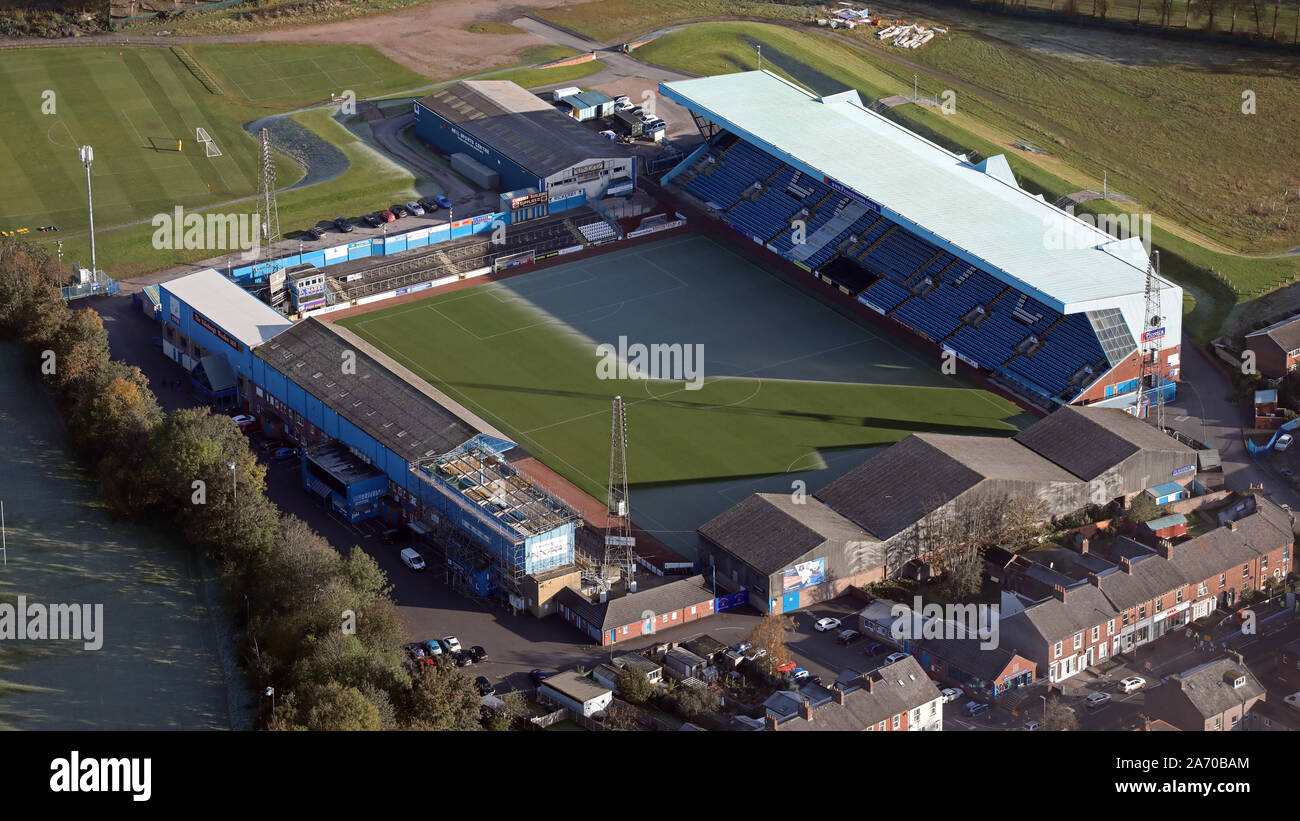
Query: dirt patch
point(431, 39)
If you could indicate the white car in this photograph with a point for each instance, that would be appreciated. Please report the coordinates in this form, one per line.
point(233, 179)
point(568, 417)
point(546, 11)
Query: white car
point(951, 694)
point(412, 559)
point(243, 419)
point(1293, 701)
point(1132, 683)
point(1031, 726)
point(823, 625)
point(1283, 442)
point(893, 657)
point(450, 643)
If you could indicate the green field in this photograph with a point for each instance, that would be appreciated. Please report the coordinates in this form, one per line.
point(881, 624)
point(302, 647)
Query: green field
point(289, 74)
point(788, 381)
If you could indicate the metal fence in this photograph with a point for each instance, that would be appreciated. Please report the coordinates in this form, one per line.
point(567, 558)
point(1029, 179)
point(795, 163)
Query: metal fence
point(107, 287)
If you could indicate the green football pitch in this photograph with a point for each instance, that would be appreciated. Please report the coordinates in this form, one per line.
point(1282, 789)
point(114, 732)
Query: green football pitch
point(787, 378)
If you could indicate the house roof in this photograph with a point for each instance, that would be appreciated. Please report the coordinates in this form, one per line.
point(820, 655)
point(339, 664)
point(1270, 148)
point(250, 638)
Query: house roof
point(988, 664)
point(897, 688)
point(685, 658)
point(899, 486)
point(236, 311)
point(770, 532)
point(1286, 333)
point(1150, 576)
point(519, 125)
point(1052, 620)
point(631, 608)
point(579, 688)
point(1208, 690)
point(704, 646)
point(1089, 441)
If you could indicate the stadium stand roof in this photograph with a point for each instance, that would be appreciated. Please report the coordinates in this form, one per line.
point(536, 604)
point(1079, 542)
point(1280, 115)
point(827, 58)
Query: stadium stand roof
point(927, 188)
point(239, 313)
point(392, 405)
point(1111, 438)
point(770, 531)
point(519, 125)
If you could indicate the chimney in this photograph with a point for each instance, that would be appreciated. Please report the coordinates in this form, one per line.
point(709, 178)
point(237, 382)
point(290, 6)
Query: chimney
point(805, 710)
point(1165, 548)
point(1094, 580)
point(770, 721)
point(1083, 543)
point(1060, 592)
point(838, 695)
point(1125, 566)
point(1232, 524)
point(868, 683)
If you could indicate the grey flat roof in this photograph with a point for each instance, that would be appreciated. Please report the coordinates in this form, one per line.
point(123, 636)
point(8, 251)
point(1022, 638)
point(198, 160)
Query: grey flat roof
point(519, 125)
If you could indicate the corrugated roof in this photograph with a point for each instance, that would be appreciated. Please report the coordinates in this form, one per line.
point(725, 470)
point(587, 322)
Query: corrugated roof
point(769, 532)
point(519, 125)
point(1090, 441)
point(239, 313)
point(924, 185)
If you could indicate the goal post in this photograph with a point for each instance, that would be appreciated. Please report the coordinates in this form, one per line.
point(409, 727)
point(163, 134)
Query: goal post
point(210, 148)
point(511, 260)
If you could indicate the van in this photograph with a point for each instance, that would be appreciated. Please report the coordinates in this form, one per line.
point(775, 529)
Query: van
point(609, 135)
point(560, 93)
point(622, 99)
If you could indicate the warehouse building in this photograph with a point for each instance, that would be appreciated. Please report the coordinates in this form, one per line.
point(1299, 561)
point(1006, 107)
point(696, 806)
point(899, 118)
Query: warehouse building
point(588, 105)
point(209, 327)
point(343, 482)
point(526, 142)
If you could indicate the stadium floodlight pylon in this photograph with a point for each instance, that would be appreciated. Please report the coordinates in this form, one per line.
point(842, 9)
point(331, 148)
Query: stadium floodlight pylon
point(618, 512)
point(268, 211)
point(209, 145)
point(1149, 350)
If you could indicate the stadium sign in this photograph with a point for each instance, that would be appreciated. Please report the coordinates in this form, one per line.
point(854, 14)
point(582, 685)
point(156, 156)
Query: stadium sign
point(1182, 470)
point(1152, 335)
point(211, 327)
point(849, 192)
point(529, 200)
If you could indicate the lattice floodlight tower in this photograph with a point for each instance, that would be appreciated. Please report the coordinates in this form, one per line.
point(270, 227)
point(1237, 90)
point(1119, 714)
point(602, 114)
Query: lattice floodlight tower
point(1151, 379)
point(267, 210)
point(209, 145)
point(618, 529)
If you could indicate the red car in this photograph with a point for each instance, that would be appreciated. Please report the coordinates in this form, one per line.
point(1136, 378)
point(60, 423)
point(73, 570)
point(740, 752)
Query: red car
point(785, 666)
point(387, 216)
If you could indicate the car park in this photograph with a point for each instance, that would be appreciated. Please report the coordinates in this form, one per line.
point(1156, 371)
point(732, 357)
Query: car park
point(431, 648)
point(372, 220)
point(799, 674)
point(847, 637)
point(478, 653)
point(974, 708)
point(450, 643)
point(412, 559)
point(343, 225)
point(429, 204)
point(442, 201)
point(895, 657)
point(1096, 700)
point(387, 216)
point(415, 208)
point(399, 211)
point(462, 658)
point(1031, 726)
point(875, 648)
point(416, 651)
point(1131, 684)
point(484, 686)
point(785, 666)
point(315, 233)
point(825, 624)
point(1292, 701)
point(1283, 442)
point(950, 694)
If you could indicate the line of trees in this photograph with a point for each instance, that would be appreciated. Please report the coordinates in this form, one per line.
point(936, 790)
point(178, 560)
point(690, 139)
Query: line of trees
point(321, 628)
point(1263, 14)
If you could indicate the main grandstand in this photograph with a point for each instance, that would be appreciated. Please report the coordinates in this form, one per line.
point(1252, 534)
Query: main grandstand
point(1051, 307)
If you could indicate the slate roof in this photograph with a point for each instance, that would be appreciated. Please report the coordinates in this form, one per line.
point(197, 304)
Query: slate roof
point(1151, 576)
point(967, 654)
point(628, 609)
point(1207, 690)
point(1285, 333)
point(898, 688)
point(1110, 434)
point(770, 532)
point(1052, 620)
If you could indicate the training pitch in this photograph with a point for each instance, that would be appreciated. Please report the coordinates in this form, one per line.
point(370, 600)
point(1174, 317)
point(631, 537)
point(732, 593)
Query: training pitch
point(786, 378)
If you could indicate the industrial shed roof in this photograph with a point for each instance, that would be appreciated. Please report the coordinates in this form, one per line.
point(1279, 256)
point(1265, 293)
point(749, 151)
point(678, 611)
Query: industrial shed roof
point(1110, 435)
point(769, 531)
point(937, 191)
point(519, 125)
point(236, 311)
point(382, 398)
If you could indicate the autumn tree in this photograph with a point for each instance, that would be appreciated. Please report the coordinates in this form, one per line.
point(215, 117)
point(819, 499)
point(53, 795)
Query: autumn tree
point(1058, 717)
point(769, 636)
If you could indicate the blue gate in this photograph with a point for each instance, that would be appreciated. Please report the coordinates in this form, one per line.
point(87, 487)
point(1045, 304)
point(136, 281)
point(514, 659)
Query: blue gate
point(790, 601)
point(730, 601)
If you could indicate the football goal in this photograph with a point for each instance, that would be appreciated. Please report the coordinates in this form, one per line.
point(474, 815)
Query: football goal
point(209, 144)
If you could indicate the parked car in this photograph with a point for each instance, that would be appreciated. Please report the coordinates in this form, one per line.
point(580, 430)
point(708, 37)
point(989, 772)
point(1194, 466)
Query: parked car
point(315, 233)
point(244, 420)
point(847, 637)
point(538, 676)
point(785, 666)
point(478, 653)
point(387, 216)
point(429, 204)
point(1292, 701)
point(1032, 726)
point(412, 559)
point(442, 201)
point(974, 708)
point(462, 659)
point(432, 648)
point(399, 210)
point(344, 226)
point(758, 653)
point(390, 535)
point(799, 674)
point(875, 648)
point(893, 657)
point(415, 208)
point(484, 686)
point(1283, 442)
point(450, 643)
point(416, 651)
point(282, 454)
point(1131, 684)
point(951, 694)
point(1096, 700)
point(742, 647)
point(372, 220)
point(622, 99)
point(825, 624)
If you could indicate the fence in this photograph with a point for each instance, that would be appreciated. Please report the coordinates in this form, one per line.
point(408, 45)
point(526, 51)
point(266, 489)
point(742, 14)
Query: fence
point(108, 287)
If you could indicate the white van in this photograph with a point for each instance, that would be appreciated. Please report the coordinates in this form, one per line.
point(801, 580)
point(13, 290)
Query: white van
point(609, 135)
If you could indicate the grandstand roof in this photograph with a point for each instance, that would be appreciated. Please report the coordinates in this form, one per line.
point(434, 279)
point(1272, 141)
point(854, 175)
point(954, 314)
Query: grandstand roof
point(1110, 436)
point(929, 189)
point(770, 531)
point(392, 405)
point(519, 125)
point(236, 311)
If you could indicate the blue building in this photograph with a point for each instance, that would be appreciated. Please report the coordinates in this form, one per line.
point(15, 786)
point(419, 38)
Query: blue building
point(209, 327)
point(339, 480)
point(588, 105)
point(525, 140)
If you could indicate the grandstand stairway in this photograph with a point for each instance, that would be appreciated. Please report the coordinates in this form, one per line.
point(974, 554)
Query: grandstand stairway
point(829, 231)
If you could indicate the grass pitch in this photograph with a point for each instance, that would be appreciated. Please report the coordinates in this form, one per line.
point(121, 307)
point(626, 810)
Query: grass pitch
point(787, 379)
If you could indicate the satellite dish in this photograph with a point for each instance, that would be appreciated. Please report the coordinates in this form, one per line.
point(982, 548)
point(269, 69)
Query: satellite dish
point(1155, 320)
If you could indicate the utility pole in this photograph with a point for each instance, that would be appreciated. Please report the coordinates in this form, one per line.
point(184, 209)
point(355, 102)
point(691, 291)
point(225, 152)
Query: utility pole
point(87, 157)
point(759, 48)
point(4, 541)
